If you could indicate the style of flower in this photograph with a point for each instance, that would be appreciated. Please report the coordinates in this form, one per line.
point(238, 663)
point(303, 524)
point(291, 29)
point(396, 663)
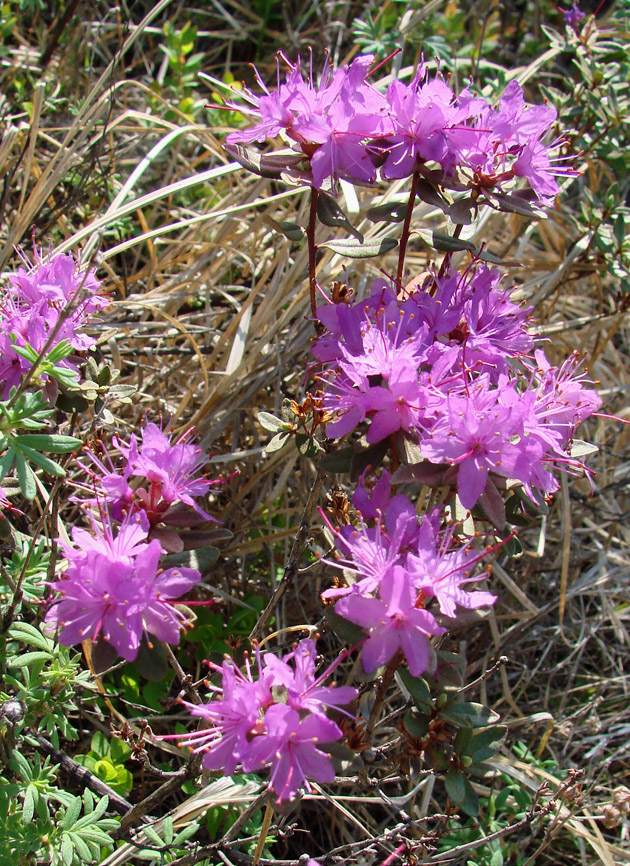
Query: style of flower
point(277, 720)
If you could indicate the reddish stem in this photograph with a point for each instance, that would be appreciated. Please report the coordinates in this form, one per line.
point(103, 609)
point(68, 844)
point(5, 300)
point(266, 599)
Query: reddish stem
point(404, 238)
point(394, 855)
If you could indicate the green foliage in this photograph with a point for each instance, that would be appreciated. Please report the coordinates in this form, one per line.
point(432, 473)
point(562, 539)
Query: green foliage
point(47, 677)
point(29, 411)
point(458, 737)
point(510, 803)
point(28, 562)
point(106, 759)
point(182, 70)
point(36, 815)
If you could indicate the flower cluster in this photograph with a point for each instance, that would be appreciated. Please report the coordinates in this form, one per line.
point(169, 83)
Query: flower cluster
point(277, 720)
point(393, 567)
point(343, 127)
point(450, 365)
point(156, 477)
point(113, 588)
point(50, 298)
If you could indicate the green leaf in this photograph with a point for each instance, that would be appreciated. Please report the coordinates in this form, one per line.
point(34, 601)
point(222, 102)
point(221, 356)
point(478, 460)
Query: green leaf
point(368, 458)
point(277, 442)
point(26, 659)
point(308, 446)
point(82, 848)
point(580, 448)
point(516, 204)
point(25, 475)
point(470, 802)
point(455, 787)
point(448, 244)
point(343, 628)
point(418, 689)
point(487, 743)
point(151, 662)
point(67, 849)
point(462, 212)
point(355, 250)
point(30, 799)
point(469, 714)
point(429, 193)
point(290, 230)
point(271, 423)
point(416, 724)
point(392, 212)
point(330, 214)
point(54, 443)
point(338, 461)
point(72, 813)
point(482, 770)
point(29, 634)
point(40, 460)
point(202, 558)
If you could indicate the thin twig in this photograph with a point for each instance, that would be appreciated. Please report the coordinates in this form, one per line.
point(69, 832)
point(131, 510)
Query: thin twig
point(293, 563)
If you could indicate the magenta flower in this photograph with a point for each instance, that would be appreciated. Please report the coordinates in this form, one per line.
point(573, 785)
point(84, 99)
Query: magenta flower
point(113, 588)
point(423, 113)
point(440, 570)
point(156, 477)
point(478, 434)
point(393, 623)
point(278, 721)
point(290, 748)
point(295, 673)
point(30, 309)
point(170, 469)
point(331, 122)
point(235, 719)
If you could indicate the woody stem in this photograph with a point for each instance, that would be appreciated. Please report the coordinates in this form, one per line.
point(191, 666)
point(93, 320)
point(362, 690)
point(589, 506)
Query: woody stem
point(404, 238)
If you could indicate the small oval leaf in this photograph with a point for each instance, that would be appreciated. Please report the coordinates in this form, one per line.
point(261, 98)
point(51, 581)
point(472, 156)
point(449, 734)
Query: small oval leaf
point(354, 250)
point(330, 214)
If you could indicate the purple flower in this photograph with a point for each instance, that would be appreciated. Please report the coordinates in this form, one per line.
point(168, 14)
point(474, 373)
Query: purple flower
point(423, 115)
point(277, 721)
point(169, 469)
point(290, 748)
point(303, 690)
point(235, 720)
point(440, 570)
point(573, 16)
point(331, 121)
point(31, 307)
point(478, 434)
point(393, 623)
point(113, 587)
